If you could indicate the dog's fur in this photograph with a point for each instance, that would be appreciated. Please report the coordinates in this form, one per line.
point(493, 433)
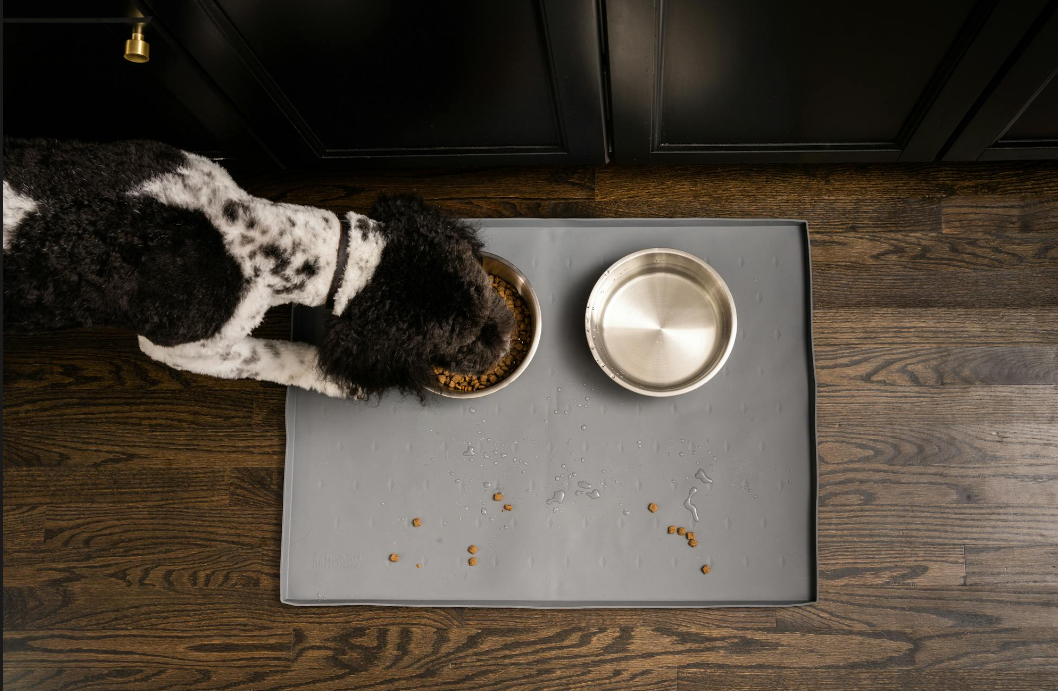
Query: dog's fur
point(146, 237)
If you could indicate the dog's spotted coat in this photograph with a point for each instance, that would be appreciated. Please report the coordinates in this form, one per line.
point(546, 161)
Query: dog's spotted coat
point(287, 254)
point(143, 236)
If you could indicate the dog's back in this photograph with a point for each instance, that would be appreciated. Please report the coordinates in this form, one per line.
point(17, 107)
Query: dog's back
point(81, 250)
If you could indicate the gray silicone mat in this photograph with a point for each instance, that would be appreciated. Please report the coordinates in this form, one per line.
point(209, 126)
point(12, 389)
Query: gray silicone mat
point(356, 473)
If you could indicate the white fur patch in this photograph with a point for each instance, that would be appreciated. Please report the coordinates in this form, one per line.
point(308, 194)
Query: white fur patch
point(16, 207)
point(263, 236)
point(365, 252)
point(283, 362)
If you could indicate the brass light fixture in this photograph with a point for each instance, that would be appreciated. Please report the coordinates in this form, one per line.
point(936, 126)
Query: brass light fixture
point(136, 48)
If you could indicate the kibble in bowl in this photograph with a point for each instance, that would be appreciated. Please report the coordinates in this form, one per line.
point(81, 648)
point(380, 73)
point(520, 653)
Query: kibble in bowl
point(515, 289)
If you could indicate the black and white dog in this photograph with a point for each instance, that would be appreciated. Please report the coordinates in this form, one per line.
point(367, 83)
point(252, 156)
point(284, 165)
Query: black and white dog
point(146, 237)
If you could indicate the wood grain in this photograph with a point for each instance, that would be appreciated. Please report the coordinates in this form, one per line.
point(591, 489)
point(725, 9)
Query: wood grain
point(143, 506)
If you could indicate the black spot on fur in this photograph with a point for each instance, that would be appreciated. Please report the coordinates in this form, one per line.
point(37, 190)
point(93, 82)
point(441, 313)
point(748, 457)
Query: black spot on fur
point(309, 268)
point(231, 210)
point(291, 221)
point(253, 358)
point(245, 240)
point(280, 260)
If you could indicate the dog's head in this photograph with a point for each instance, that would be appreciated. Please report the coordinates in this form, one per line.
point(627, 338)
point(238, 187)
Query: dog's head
point(427, 303)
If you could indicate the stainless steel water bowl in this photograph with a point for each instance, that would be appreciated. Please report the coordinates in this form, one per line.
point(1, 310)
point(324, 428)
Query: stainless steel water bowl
point(660, 322)
point(497, 266)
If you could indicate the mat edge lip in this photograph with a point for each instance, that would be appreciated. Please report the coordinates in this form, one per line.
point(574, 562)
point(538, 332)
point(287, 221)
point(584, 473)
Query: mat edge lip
point(687, 388)
point(813, 596)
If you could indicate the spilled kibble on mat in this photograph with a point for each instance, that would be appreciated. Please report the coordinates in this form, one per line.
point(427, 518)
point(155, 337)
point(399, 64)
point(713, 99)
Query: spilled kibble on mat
point(705, 569)
point(473, 549)
point(692, 543)
point(690, 535)
point(416, 522)
point(418, 566)
point(473, 561)
point(498, 496)
point(652, 507)
point(394, 558)
point(681, 531)
point(521, 339)
point(508, 507)
point(672, 530)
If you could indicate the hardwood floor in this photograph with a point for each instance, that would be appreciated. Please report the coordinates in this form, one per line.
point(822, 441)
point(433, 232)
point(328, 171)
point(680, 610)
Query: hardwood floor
point(142, 505)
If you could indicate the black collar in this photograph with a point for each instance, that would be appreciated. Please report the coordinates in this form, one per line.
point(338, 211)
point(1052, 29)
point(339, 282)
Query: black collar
point(343, 259)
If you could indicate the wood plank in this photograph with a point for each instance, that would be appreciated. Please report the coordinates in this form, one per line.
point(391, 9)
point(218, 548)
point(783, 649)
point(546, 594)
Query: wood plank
point(218, 678)
point(249, 649)
point(260, 488)
point(1013, 566)
point(943, 326)
point(972, 250)
point(868, 286)
point(922, 526)
point(843, 606)
point(894, 365)
point(158, 524)
point(113, 486)
point(939, 404)
point(596, 648)
point(891, 565)
point(969, 445)
point(23, 526)
point(88, 445)
point(357, 190)
point(905, 465)
point(703, 679)
point(1002, 213)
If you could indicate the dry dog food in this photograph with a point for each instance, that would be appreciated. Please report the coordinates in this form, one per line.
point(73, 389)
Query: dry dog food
point(705, 569)
point(416, 522)
point(521, 338)
point(652, 507)
point(672, 530)
point(690, 535)
point(394, 558)
point(418, 566)
point(473, 561)
point(681, 531)
point(473, 549)
point(498, 496)
point(692, 543)
point(508, 507)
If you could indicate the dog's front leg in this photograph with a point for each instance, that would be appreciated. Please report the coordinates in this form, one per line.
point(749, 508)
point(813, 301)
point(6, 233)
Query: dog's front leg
point(283, 362)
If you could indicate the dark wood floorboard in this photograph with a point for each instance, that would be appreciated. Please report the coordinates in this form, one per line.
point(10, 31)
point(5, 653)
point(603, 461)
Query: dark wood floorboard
point(142, 505)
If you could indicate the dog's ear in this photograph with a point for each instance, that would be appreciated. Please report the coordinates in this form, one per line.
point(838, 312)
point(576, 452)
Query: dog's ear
point(369, 363)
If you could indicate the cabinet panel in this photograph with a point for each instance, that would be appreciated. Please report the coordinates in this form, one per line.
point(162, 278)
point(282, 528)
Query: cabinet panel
point(1039, 122)
point(408, 82)
point(406, 75)
point(826, 71)
point(1017, 117)
point(702, 81)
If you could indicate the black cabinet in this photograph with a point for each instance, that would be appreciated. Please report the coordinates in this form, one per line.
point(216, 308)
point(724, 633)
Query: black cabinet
point(755, 80)
point(65, 76)
point(1017, 116)
point(413, 82)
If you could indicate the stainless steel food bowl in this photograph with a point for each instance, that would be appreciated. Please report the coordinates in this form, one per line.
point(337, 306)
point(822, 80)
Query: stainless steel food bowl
point(660, 322)
point(497, 266)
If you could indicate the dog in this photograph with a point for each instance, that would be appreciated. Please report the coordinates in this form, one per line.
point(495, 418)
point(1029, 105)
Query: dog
point(147, 237)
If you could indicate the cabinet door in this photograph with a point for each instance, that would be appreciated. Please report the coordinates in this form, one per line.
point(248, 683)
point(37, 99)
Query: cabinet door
point(408, 81)
point(756, 80)
point(66, 77)
point(1018, 116)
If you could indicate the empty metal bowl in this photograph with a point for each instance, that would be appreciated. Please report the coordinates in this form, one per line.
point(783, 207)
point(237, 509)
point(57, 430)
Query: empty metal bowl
point(660, 322)
point(497, 266)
